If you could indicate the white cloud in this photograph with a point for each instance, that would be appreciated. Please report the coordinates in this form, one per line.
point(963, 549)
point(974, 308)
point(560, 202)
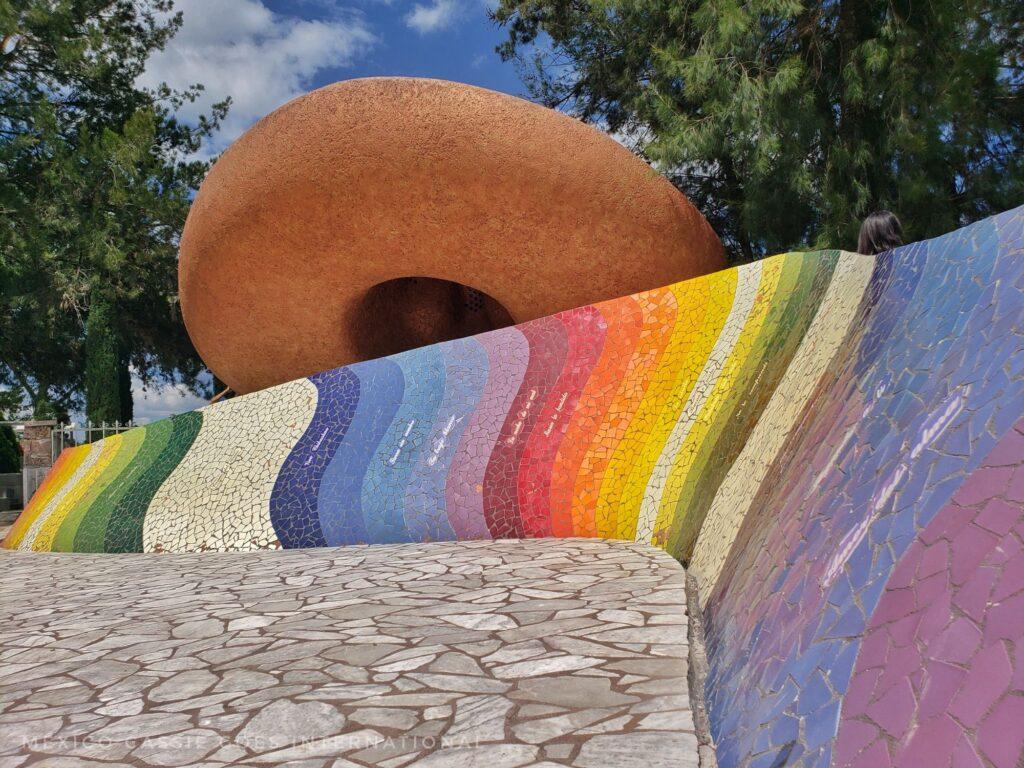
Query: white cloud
point(431, 18)
point(242, 49)
point(153, 404)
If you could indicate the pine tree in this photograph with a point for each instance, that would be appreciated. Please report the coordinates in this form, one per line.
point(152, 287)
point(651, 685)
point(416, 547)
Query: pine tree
point(96, 176)
point(787, 121)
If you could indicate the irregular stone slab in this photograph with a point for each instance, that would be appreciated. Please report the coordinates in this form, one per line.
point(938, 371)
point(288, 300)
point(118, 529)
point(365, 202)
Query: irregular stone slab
point(141, 727)
point(285, 723)
point(185, 748)
point(488, 655)
point(481, 621)
point(185, 685)
point(492, 756)
point(639, 750)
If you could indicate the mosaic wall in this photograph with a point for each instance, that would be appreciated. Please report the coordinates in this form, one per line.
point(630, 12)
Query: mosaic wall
point(870, 611)
point(833, 444)
point(617, 420)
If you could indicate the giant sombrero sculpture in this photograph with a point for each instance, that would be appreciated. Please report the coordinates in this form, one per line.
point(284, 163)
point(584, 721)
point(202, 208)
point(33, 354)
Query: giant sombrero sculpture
point(333, 230)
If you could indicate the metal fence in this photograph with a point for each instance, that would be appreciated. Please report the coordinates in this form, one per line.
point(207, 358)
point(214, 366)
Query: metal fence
point(10, 491)
point(69, 435)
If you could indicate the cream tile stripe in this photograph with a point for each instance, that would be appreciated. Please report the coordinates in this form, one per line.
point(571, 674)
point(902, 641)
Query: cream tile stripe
point(836, 313)
point(746, 292)
point(218, 497)
point(86, 488)
point(95, 449)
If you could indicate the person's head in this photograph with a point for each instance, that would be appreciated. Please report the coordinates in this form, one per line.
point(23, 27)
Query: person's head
point(881, 231)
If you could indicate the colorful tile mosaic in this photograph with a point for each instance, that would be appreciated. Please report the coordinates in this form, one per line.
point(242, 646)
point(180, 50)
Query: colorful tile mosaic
point(935, 676)
point(609, 420)
point(811, 601)
point(827, 440)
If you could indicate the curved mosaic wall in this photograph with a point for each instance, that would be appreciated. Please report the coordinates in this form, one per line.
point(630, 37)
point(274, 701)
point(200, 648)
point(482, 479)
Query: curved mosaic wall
point(609, 420)
point(869, 609)
point(833, 444)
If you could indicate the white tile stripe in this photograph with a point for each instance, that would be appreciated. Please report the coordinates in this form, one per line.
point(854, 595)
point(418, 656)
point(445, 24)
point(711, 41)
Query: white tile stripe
point(95, 449)
point(218, 497)
point(835, 314)
point(748, 280)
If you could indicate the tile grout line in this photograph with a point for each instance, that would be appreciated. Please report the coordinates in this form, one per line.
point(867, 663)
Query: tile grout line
point(697, 674)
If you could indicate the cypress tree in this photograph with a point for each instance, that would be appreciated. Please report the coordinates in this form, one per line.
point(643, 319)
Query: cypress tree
point(124, 381)
point(102, 363)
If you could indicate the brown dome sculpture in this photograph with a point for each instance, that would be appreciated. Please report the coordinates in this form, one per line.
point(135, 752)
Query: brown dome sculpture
point(377, 215)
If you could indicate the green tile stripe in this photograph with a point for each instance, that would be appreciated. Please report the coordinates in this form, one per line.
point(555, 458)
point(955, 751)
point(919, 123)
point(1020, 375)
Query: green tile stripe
point(133, 490)
point(108, 480)
point(124, 530)
point(792, 309)
point(168, 441)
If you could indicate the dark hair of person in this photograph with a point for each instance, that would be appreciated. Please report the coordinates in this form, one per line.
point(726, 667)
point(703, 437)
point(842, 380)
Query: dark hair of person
point(881, 231)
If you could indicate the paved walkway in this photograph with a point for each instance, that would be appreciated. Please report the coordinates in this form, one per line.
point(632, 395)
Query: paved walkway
point(490, 654)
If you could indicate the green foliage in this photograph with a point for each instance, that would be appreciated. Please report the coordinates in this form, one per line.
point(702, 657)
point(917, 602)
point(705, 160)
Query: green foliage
point(786, 121)
point(11, 404)
point(10, 452)
point(95, 183)
point(102, 357)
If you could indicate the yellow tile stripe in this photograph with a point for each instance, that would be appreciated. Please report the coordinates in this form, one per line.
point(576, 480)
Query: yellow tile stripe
point(686, 458)
point(748, 277)
point(703, 308)
point(64, 468)
point(90, 455)
point(117, 470)
point(835, 316)
point(628, 394)
point(661, 311)
point(86, 489)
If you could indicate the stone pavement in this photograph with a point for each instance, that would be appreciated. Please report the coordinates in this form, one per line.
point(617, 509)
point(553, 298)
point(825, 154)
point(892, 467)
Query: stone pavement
point(492, 654)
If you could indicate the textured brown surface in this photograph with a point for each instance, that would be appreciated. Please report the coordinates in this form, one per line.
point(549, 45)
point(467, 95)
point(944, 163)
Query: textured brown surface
point(366, 181)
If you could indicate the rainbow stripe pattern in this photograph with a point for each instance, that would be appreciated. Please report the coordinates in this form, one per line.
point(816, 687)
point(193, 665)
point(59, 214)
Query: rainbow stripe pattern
point(833, 444)
point(633, 418)
point(609, 420)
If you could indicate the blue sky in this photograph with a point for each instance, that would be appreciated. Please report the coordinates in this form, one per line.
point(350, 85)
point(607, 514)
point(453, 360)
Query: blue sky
point(265, 52)
point(450, 39)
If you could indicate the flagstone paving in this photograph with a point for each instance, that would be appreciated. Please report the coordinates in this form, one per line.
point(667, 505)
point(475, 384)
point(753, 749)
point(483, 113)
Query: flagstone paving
point(493, 654)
